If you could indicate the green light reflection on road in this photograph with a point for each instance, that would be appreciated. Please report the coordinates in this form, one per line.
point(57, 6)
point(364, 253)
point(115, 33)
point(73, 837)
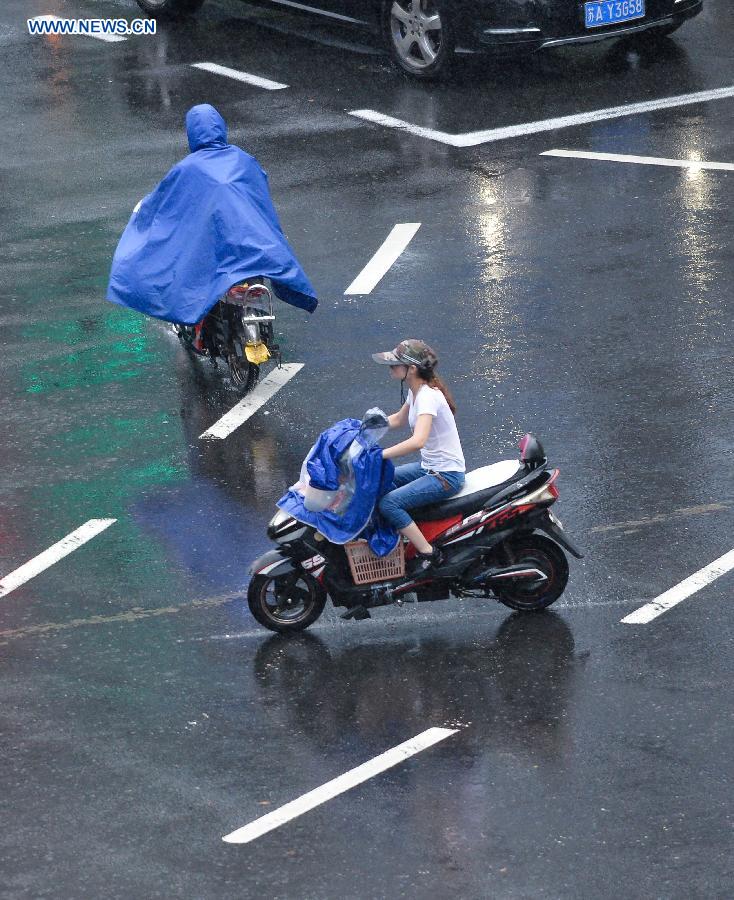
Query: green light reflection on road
point(120, 457)
point(107, 362)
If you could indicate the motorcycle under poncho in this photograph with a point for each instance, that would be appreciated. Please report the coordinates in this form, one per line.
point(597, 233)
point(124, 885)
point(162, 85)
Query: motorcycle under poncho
point(342, 478)
point(207, 226)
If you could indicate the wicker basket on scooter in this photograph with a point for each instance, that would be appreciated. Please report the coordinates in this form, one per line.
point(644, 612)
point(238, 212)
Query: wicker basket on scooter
point(368, 568)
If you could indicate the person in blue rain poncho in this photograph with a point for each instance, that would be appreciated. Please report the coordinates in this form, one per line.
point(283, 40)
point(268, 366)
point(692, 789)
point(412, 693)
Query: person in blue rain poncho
point(208, 225)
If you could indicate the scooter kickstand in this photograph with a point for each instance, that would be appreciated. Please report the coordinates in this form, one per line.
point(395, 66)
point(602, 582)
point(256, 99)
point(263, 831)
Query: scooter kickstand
point(359, 613)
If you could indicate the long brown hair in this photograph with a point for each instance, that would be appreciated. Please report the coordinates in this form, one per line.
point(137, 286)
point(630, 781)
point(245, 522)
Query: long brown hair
point(427, 374)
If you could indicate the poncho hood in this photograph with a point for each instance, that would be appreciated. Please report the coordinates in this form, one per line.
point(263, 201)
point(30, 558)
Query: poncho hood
point(205, 128)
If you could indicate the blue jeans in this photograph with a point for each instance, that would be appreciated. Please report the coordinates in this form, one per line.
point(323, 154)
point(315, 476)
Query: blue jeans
point(414, 487)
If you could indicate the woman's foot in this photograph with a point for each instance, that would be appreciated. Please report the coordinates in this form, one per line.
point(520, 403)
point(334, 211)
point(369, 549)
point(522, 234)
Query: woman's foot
point(430, 560)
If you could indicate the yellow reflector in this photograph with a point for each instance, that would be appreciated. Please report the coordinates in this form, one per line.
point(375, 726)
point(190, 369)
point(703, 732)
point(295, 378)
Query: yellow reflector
point(257, 353)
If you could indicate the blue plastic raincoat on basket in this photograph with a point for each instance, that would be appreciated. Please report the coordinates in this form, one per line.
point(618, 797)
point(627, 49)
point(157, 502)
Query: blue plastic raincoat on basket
point(208, 225)
point(345, 469)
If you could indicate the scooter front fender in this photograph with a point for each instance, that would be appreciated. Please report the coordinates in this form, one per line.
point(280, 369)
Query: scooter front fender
point(274, 563)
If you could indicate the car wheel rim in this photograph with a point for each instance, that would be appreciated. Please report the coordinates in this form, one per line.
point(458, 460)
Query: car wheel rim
point(417, 32)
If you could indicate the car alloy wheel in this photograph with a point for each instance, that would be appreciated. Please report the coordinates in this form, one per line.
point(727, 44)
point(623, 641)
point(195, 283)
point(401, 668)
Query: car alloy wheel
point(170, 9)
point(419, 35)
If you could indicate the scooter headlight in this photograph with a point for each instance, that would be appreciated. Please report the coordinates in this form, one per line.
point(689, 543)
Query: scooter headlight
point(280, 524)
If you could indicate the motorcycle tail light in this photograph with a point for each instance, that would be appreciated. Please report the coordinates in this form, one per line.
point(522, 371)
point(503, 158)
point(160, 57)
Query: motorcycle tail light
point(548, 493)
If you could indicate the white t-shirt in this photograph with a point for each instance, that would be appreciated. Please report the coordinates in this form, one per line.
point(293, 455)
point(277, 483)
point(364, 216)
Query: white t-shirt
point(442, 451)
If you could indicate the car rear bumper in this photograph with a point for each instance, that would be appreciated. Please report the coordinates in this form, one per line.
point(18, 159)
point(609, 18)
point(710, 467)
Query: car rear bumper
point(532, 37)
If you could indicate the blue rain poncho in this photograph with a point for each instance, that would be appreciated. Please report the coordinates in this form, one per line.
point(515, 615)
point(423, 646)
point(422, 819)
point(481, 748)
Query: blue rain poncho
point(343, 477)
point(208, 225)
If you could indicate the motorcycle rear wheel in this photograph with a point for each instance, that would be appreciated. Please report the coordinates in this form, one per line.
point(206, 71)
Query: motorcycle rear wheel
point(244, 374)
point(287, 603)
point(543, 553)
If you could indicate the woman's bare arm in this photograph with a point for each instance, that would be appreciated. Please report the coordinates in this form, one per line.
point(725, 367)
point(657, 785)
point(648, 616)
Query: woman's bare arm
point(400, 418)
point(423, 426)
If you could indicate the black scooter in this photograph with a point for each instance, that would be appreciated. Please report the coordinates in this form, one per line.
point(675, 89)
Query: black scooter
point(239, 329)
point(498, 536)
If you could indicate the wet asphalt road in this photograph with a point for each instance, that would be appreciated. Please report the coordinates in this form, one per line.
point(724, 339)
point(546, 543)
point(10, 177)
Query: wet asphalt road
point(144, 715)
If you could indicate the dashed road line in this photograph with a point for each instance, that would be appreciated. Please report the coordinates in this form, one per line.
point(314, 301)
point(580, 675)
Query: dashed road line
point(247, 77)
point(338, 785)
point(681, 591)
point(693, 164)
point(681, 512)
point(376, 269)
point(108, 38)
point(58, 551)
point(474, 138)
point(128, 617)
point(250, 404)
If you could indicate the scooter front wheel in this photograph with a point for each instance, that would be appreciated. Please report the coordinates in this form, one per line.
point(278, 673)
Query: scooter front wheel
point(286, 603)
point(539, 552)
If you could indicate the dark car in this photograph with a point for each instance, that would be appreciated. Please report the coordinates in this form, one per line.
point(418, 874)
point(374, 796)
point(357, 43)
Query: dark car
point(423, 35)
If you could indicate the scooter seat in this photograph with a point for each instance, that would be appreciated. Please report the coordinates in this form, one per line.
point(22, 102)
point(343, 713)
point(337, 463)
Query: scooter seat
point(479, 487)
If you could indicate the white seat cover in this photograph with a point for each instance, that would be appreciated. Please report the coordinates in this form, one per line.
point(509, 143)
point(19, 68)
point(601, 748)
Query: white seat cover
point(489, 476)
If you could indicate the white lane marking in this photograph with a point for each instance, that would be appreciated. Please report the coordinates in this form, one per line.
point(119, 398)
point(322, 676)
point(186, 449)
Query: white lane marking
point(109, 38)
point(695, 164)
point(675, 595)
point(338, 786)
point(249, 405)
point(376, 269)
point(58, 551)
point(255, 80)
point(473, 138)
point(378, 118)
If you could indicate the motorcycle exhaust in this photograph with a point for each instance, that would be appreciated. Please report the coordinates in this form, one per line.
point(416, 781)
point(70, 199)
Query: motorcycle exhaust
point(529, 573)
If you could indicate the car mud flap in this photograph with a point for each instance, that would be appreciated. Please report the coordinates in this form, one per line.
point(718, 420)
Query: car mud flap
point(550, 528)
point(274, 564)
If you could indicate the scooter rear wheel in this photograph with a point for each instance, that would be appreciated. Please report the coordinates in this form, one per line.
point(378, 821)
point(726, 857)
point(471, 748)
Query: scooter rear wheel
point(244, 374)
point(544, 554)
point(287, 603)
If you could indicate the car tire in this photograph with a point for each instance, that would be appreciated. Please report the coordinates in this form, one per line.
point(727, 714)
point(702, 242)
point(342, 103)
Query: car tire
point(170, 9)
point(420, 36)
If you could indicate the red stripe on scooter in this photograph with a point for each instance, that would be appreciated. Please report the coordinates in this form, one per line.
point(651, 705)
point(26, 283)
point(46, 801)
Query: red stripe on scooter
point(431, 530)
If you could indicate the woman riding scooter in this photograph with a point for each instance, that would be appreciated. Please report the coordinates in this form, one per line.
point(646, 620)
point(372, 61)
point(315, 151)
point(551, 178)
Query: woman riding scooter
point(429, 411)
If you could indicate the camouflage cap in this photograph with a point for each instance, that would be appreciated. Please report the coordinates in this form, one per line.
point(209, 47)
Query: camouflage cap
point(411, 352)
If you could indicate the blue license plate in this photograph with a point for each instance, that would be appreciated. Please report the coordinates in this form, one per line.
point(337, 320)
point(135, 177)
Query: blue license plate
point(609, 12)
